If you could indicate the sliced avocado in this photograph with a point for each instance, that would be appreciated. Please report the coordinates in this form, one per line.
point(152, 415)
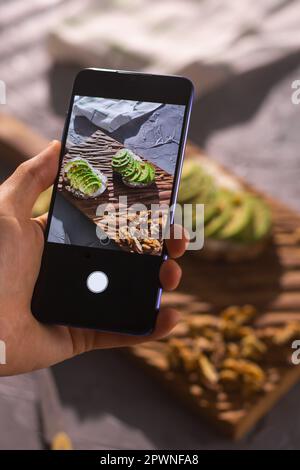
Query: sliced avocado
point(151, 172)
point(224, 206)
point(207, 191)
point(208, 197)
point(216, 224)
point(137, 174)
point(87, 181)
point(123, 158)
point(188, 191)
point(120, 154)
point(189, 169)
point(240, 219)
point(191, 184)
point(76, 169)
point(75, 175)
point(121, 163)
point(262, 220)
point(85, 177)
point(228, 215)
point(143, 178)
point(92, 187)
point(131, 169)
point(210, 211)
point(73, 180)
point(75, 165)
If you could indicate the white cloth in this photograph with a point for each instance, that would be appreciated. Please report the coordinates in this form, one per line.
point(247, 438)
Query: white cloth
point(209, 40)
point(111, 114)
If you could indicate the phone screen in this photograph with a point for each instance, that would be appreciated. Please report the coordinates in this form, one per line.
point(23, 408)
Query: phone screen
point(117, 174)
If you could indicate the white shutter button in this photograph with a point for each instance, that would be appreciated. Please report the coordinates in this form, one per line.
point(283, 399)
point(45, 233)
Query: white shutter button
point(97, 282)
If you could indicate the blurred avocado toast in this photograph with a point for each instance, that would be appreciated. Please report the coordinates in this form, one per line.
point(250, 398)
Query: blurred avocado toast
point(237, 224)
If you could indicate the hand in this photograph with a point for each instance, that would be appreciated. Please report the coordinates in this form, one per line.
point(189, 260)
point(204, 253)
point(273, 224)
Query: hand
point(31, 345)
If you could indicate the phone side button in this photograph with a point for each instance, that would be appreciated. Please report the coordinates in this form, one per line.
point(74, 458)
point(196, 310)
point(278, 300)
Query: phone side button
point(97, 282)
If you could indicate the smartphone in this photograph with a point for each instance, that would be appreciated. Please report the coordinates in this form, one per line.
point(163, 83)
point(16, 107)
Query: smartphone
point(120, 166)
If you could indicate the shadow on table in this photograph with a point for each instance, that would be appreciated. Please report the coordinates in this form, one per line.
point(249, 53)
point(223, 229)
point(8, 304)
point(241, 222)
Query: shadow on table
point(106, 383)
point(118, 405)
point(238, 99)
point(221, 283)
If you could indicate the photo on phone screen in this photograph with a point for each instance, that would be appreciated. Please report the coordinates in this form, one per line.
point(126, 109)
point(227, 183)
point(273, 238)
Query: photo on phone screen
point(117, 174)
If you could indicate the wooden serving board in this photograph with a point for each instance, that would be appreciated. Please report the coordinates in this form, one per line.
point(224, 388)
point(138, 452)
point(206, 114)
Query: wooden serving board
point(271, 283)
point(98, 150)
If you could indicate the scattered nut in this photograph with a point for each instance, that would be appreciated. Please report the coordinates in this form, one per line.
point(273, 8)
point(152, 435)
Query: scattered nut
point(219, 355)
point(207, 370)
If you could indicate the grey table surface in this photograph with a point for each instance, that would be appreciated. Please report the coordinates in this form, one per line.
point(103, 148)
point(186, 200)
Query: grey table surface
point(251, 126)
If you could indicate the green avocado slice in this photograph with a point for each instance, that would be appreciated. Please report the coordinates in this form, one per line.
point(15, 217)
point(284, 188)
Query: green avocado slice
point(73, 172)
point(191, 183)
point(224, 205)
point(82, 177)
point(262, 220)
point(120, 154)
point(151, 172)
point(190, 168)
point(87, 181)
point(208, 197)
point(207, 191)
point(75, 178)
point(131, 169)
point(92, 187)
point(122, 162)
point(144, 176)
point(85, 177)
point(240, 220)
point(210, 211)
point(188, 191)
point(73, 167)
point(137, 174)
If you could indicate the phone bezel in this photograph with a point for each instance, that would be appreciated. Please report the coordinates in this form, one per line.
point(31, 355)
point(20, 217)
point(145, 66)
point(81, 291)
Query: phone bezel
point(135, 86)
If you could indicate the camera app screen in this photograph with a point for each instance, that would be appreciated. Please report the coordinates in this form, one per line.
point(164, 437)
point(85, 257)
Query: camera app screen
point(117, 175)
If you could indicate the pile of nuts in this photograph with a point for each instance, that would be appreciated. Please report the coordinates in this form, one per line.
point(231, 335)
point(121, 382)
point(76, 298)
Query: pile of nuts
point(141, 233)
point(229, 353)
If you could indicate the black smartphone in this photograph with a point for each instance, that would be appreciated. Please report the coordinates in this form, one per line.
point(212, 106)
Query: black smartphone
point(120, 166)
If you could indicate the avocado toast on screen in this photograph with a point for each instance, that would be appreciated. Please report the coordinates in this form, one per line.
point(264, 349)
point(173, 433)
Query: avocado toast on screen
point(135, 173)
point(82, 180)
